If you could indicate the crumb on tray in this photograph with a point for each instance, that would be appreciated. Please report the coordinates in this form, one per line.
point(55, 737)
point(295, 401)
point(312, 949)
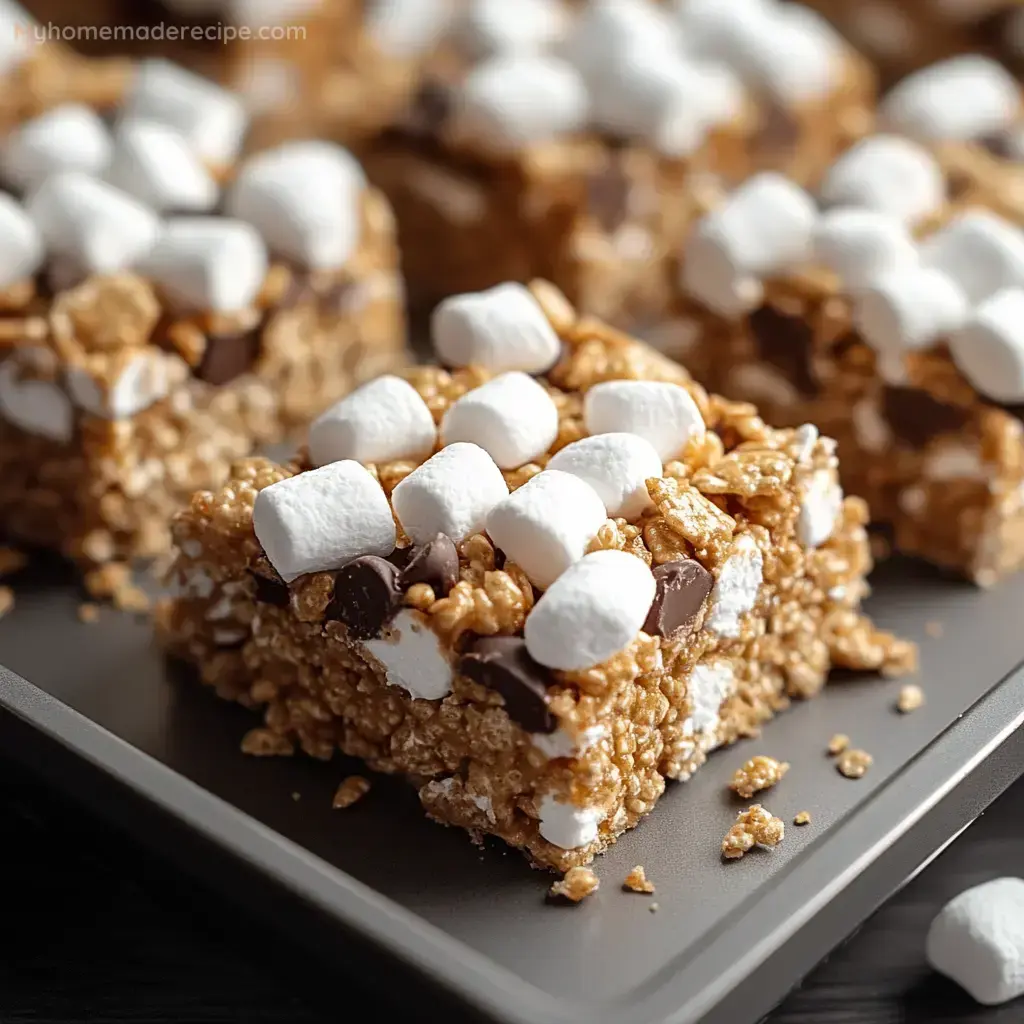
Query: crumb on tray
point(265, 743)
point(577, 884)
point(839, 742)
point(760, 772)
point(88, 612)
point(853, 764)
point(910, 699)
point(756, 826)
point(354, 788)
point(802, 818)
point(637, 881)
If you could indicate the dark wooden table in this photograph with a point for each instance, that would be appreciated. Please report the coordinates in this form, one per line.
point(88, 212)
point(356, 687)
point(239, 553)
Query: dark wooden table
point(94, 929)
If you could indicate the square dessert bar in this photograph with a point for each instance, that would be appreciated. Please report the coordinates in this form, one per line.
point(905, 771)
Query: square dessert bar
point(584, 135)
point(538, 584)
point(890, 316)
point(165, 307)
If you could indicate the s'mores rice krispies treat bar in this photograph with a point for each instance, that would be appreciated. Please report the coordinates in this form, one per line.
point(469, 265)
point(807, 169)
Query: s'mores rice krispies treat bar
point(889, 314)
point(584, 135)
point(539, 584)
point(166, 305)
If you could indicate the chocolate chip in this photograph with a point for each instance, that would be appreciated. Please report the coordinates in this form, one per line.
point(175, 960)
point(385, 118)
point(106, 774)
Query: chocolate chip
point(916, 417)
point(271, 591)
point(228, 356)
point(787, 342)
point(608, 194)
point(430, 108)
point(683, 587)
point(501, 664)
point(435, 563)
point(366, 596)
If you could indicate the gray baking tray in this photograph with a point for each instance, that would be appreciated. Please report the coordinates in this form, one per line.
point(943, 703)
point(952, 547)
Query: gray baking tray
point(379, 888)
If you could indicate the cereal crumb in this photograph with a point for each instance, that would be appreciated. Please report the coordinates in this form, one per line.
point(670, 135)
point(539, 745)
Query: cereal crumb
point(760, 772)
point(756, 826)
point(11, 561)
point(264, 743)
point(636, 881)
point(854, 763)
point(577, 884)
point(802, 818)
point(354, 788)
point(6, 601)
point(933, 629)
point(296, 797)
point(88, 612)
point(105, 580)
point(131, 599)
point(653, 907)
point(910, 699)
point(839, 742)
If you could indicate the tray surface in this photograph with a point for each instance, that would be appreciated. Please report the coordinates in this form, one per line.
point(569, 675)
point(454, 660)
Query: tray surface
point(611, 951)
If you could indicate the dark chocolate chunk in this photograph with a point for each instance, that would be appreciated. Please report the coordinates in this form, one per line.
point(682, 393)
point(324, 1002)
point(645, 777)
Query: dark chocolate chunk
point(228, 356)
point(366, 596)
point(271, 591)
point(787, 342)
point(916, 417)
point(683, 587)
point(431, 107)
point(998, 144)
point(1015, 410)
point(501, 664)
point(435, 563)
point(608, 195)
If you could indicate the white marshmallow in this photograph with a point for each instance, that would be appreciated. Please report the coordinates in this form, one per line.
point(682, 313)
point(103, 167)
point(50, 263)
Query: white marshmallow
point(502, 328)
point(980, 251)
point(496, 26)
point(155, 163)
point(617, 466)
point(566, 826)
point(719, 30)
point(212, 119)
point(737, 587)
point(908, 309)
point(887, 174)
point(862, 245)
point(605, 27)
point(21, 245)
point(977, 939)
point(989, 348)
point(142, 382)
point(514, 100)
point(662, 413)
point(94, 226)
point(413, 657)
point(381, 421)
point(820, 505)
point(71, 137)
point(707, 686)
point(36, 406)
point(560, 744)
point(208, 263)
point(303, 197)
point(319, 520)
point(593, 610)
point(407, 28)
point(451, 493)
point(511, 417)
point(711, 274)
point(955, 100)
point(546, 525)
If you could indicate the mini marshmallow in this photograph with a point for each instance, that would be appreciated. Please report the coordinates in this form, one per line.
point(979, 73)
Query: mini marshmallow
point(605, 27)
point(820, 505)
point(501, 328)
point(71, 137)
point(955, 100)
point(512, 417)
point(719, 30)
point(989, 348)
point(155, 163)
point(36, 406)
point(303, 197)
point(662, 413)
point(407, 28)
point(862, 245)
point(94, 226)
point(496, 26)
point(736, 590)
point(21, 245)
point(546, 525)
point(384, 420)
point(908, 309)
point(560, 744)
point(979, 250)
point(887, 174)
point(592, 611)
point(451, 493)
point(617, 466)
point(514, 100)
point(977, 939)
point(566, 826)
point(319, 520)
point(413, 657)
point(707, 686)
point(207, 264)
point(143, 381)
point(212, 119)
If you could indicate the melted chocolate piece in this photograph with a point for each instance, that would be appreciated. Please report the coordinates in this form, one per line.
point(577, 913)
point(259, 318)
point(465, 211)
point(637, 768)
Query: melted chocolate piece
point(228, 356)
point(366, 596)
point(435, 563)
point(608, 194)
point(916, 417)
point(271, 591)
point(683, 587)
point(502, 664)
point(787, 342)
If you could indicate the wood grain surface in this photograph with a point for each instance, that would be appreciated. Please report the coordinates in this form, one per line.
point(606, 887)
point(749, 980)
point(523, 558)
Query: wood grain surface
point(93, 929)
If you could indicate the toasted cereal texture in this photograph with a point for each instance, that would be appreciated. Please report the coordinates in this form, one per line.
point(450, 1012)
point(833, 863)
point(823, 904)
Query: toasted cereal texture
point(760, 772)
point(577, 885)
point(756, 826)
